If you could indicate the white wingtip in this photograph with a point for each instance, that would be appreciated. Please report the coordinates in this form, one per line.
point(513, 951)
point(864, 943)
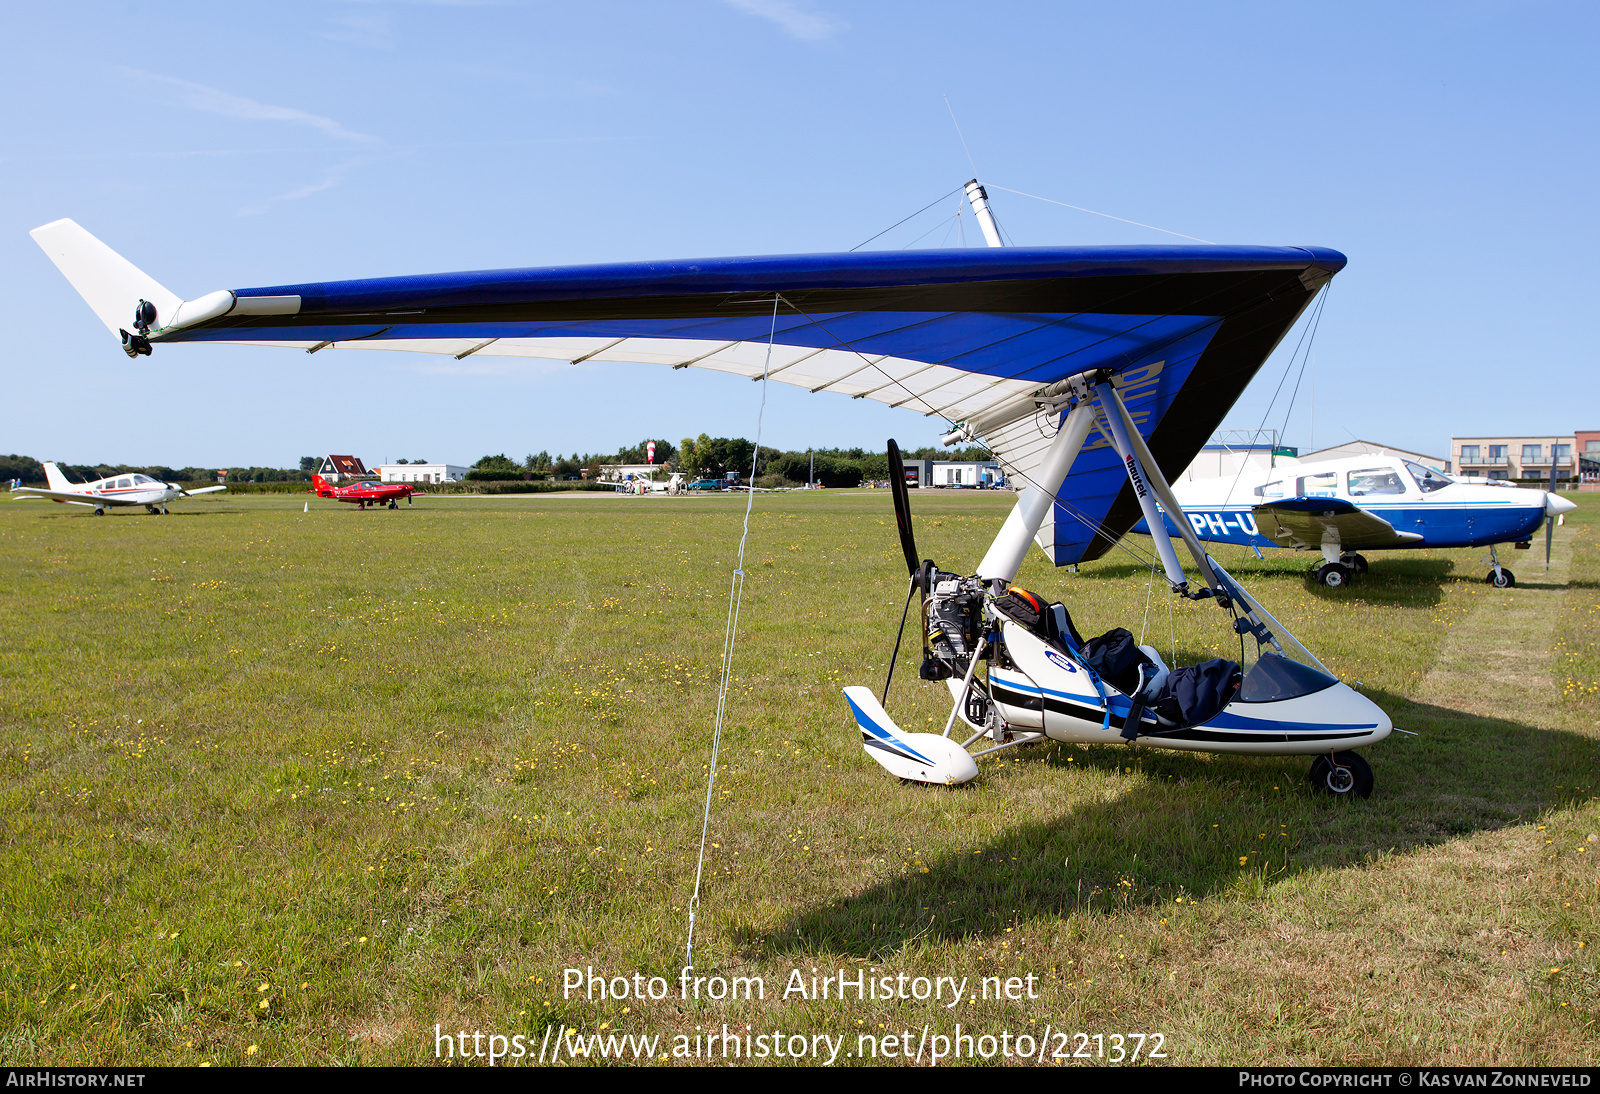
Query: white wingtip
point(110, 284)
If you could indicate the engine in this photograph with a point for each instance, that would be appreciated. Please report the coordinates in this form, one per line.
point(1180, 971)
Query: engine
point(952, 619)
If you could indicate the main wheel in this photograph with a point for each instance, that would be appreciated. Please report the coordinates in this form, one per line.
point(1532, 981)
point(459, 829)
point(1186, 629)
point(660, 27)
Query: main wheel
point(1501, 579)
point(1357, 563)
point(1334, 575)
point(1344, 775)
point(99, 512)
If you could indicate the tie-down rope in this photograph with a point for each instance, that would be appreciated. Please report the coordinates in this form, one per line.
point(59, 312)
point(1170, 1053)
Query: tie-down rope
point(730, 634)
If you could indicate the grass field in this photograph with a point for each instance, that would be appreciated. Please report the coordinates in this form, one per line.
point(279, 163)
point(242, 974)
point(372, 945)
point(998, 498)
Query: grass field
point(297, 787)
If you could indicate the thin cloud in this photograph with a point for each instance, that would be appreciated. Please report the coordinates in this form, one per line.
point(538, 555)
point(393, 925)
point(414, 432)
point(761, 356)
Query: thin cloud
point(373, 31)
point(333, 178)
point(796, 22)
point(209, 100)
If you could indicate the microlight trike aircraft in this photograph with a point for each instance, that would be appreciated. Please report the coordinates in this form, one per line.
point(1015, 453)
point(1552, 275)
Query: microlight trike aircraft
point(110, 493)
point(1091, 373)
point(1363, 503)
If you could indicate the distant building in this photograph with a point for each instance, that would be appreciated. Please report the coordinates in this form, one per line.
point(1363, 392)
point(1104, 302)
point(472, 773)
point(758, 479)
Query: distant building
point(1216, 460)
point(1587, 443)
point(421, 472)
point(339, 468)
point(1220, 459)
point(1512, 458)
point(1371, 448)
point(965, 473)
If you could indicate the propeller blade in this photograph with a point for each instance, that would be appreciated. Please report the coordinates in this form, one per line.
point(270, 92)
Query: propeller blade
point(902, 510)
point(1549, 520)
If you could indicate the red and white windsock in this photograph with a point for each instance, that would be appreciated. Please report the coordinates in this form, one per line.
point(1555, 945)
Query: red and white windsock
point(650, 452)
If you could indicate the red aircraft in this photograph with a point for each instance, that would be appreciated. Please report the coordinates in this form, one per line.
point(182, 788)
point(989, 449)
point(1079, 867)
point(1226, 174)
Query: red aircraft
point(365, 493)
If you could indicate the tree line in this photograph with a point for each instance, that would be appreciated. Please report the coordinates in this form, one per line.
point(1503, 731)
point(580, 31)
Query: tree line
point(714, 457)
point(696, 457)
point(30, 470)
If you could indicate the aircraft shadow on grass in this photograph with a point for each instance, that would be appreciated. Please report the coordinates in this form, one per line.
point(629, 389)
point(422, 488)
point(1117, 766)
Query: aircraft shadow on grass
point(1410, 582)
point(1464, 774)
point(174, 514)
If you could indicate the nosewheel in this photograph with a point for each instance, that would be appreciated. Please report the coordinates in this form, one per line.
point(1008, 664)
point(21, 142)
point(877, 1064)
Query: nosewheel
point(1501, 578)
point(1343, 774)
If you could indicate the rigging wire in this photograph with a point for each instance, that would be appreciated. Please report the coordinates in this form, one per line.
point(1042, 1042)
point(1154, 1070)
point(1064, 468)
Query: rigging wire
point(946, 224)
point(959, 134)
point(1316, 321)
point(1148, 592)
point(897, 223)
point(1096, 212)
point(1309, 328)
point(730, 635)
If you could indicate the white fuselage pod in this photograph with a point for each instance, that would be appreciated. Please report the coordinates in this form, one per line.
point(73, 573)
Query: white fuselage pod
point(1046, 690)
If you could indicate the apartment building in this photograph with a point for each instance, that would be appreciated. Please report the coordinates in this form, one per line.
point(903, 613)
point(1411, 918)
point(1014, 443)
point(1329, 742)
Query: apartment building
point(1516, 458)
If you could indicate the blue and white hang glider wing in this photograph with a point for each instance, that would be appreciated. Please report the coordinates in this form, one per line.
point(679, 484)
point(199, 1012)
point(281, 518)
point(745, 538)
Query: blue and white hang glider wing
point(971, 337)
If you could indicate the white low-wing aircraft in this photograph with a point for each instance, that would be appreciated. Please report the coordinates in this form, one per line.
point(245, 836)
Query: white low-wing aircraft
point(1093, 374)
point(1363, 503)
point(107, 493)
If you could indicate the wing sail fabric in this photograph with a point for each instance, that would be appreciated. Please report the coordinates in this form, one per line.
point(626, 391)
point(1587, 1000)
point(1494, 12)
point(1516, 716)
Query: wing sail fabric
point(963, 336)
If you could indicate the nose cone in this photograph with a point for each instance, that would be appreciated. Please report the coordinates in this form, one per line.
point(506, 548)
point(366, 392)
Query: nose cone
point(1555, 505)
point(1359, 708)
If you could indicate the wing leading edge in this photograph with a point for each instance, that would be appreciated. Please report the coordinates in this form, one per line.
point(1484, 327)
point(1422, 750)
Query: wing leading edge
point(974, 336)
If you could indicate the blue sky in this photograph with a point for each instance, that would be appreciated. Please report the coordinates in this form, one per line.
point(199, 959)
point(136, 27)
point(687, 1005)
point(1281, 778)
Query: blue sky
point(1448, 150)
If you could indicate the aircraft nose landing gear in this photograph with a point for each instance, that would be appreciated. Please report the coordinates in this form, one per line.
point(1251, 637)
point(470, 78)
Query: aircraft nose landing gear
point(1342, 774)
point(1499, 576)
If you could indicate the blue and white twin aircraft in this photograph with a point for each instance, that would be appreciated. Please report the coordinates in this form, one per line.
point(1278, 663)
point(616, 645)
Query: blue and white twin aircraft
point(1361, 503)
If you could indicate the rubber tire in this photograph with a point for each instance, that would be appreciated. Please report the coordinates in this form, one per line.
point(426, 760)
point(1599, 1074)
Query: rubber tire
point(1334, 575)
point(1508, 579)
point(1357, 563)
point(1355, 781)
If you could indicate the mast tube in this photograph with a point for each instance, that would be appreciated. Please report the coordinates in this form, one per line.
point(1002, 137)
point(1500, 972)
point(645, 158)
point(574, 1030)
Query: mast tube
point(1119, 430)
point(978, 198)
point(1010, 546)
point(1163, 491)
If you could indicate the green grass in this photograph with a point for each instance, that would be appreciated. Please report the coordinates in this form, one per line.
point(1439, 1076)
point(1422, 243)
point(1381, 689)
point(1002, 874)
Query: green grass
point(384, 770)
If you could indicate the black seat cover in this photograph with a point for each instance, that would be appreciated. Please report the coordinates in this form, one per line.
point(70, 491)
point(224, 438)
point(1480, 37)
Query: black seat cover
point(1116, 657)
point(1197, 693)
